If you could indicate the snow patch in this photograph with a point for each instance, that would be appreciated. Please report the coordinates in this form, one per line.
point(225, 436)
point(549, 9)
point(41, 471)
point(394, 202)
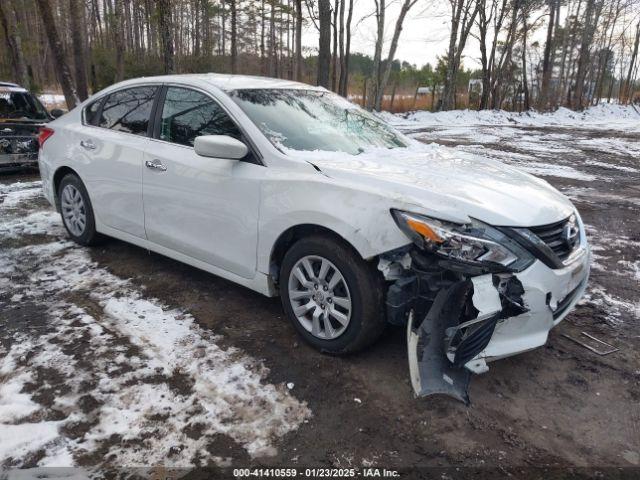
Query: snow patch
point(603, 116)
point(12, 195)
point(157, 380)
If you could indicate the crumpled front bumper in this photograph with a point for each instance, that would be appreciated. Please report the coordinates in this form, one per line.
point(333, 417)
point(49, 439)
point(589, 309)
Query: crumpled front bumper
point(458, 321)
point(549, 295)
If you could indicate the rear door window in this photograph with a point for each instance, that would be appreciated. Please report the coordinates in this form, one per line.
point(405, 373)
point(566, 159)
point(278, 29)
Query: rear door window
point(128, 110)
point(187, 114)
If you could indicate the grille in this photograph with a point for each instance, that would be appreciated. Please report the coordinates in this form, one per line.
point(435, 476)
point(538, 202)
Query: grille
point(561, 237)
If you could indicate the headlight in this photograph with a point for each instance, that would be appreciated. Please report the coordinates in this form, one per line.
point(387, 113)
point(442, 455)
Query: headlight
point(473, 243)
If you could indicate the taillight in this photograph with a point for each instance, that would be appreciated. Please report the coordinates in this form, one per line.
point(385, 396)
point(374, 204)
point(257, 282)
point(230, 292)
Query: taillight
point(43, 135)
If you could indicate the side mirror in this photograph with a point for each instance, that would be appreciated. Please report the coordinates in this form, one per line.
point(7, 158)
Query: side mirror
point(56, 113)
point(220, 146)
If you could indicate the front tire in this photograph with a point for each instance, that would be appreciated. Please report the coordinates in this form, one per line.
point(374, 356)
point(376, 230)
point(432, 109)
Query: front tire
point(334, 298)
point(76, 211)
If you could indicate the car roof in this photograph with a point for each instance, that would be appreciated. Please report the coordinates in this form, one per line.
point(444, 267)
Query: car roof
point(11, 87)
point(225, 82)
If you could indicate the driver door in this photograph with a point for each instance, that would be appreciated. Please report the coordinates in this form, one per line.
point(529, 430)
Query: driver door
point(205, 208)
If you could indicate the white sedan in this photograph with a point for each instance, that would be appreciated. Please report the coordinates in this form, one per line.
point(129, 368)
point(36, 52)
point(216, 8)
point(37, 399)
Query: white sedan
point(289, 189)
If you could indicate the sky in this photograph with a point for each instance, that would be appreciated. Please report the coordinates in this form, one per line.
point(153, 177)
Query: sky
point(425, 34)
point(424, 37)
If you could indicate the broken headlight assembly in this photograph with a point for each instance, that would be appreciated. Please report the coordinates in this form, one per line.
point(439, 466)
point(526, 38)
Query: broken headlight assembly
point(473, 243)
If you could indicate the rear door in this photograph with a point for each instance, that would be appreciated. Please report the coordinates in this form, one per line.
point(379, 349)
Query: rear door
point(205, 208)
point(111, 143)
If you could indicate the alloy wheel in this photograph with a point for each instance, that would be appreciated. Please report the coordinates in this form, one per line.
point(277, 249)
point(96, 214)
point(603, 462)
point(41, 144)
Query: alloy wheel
point(320, 297)
point(73, 210)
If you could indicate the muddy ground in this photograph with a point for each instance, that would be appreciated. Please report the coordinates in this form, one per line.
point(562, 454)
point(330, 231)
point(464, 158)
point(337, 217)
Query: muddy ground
point(560, 405)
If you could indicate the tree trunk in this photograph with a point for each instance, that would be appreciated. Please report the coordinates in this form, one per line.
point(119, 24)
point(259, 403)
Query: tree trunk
point(463, 13)
point(324, 43)
point(497, 87)
point(76, 12)
point(634, 55)
point(263, 63)
point(14, 43)
point(166, 39)
point(344, 70)
point(298, 61)
point(525, 84)
point(377, 56)
point(393, 96)
point(341, 46)
point(272, 41)
point(334, 54)
point(484, 61)
point(118, 39)
point(607, 55)
point(59, 61)
point(234, 36)
point(547, 63)
point(404, 9)
point(591, 16)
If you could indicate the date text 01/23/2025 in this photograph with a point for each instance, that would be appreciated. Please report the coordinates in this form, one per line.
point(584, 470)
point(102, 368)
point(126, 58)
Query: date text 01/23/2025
point(368, 472)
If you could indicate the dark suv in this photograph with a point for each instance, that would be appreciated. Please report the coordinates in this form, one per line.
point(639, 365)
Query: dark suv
point(21, 117)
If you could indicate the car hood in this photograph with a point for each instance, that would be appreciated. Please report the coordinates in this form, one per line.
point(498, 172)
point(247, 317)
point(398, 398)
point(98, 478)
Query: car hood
point(452, 184)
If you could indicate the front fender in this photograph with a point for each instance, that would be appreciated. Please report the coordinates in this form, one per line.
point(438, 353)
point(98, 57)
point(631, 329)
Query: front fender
point(363, 219)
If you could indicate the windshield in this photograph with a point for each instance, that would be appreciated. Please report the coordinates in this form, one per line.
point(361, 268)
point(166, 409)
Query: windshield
point(309, 120)
point(20, 105)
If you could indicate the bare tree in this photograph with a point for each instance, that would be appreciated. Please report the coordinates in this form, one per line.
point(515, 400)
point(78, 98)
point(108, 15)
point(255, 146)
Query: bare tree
point(377, 55)
point(234, 36)
point(525, 82)
point(588, 53)
point(404, 9)
point(334, 54)
point(298, 54)
point(493, 18)
point(166, 39)
point(14, 42)
point(500, 67)
point(628, 85)
point(118, 34)
point(463, 14)
point(324, 43)
point(77, 23)
point(547, 63)
point(591, 18)
point(344, 64)
point(59, 60)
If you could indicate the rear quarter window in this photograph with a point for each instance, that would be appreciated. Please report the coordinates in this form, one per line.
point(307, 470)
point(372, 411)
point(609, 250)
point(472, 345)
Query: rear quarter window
point(91, 112)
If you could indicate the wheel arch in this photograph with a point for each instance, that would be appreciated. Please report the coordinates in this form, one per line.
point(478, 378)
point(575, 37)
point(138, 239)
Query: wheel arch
point(59, 174)
point(294, 233)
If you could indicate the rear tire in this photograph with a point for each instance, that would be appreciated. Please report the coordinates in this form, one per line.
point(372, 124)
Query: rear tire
point(334, 298)
point(76, 211)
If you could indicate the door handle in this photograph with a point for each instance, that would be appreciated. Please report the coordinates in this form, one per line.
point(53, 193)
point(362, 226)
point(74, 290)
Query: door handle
point(87, 144)
point(155, 165)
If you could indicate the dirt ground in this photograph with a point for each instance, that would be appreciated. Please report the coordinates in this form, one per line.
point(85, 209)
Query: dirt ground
point(560, 405)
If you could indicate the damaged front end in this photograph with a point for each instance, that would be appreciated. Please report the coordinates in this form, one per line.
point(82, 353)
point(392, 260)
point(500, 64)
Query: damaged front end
point(454, 287)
